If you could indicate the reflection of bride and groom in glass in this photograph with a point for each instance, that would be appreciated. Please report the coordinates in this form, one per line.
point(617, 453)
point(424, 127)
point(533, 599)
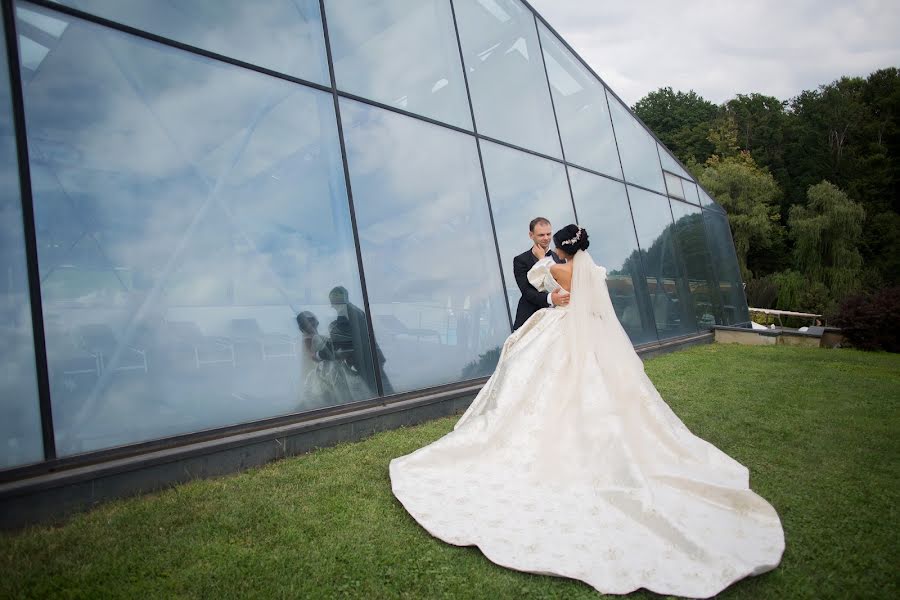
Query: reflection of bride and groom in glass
point(338, 367)
point(568, 462)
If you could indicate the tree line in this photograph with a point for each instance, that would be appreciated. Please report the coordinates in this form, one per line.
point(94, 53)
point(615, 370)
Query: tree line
point(810, 184)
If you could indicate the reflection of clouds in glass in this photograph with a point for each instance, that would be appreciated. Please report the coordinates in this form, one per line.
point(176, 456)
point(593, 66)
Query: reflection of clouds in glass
point(400, 52)
point(522, 187)
point(20, 425)
point(176, 200)
point(431, 268)
point(637, 148)
point(581, 109)
point(282, 35)
point(506, 74)
point(670, 164)
point(603, 209)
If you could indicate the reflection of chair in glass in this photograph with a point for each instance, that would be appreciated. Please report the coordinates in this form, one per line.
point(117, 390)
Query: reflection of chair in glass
point(271, 345)
point(394, 327)
point(99, 341)
point(205, 349)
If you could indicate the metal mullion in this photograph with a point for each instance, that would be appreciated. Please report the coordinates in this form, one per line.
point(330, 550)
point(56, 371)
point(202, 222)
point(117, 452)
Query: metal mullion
point(401, 111)
point(562, 149)
point(487, 193)
point(97, 20)
point(30, 231)
point(679, 257)
point(373, 346)
point(712, 262)
point(107, 455)
point(594, 73)
point(637, 239)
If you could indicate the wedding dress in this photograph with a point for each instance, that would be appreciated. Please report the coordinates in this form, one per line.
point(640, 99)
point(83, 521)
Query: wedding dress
point(569, 463)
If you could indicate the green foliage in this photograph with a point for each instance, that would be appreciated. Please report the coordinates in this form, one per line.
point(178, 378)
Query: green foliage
point(872, 321)
point(846, 132)
point(816, 428)
point(750, 196)
point(680, 120)
point(826, 234)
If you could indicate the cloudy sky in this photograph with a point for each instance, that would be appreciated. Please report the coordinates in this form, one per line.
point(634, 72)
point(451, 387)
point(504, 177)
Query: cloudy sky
point(727, 47)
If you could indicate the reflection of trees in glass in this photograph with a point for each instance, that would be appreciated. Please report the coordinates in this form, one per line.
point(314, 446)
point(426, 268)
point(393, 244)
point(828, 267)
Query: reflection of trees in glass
point(691, 236)
point(483, 366)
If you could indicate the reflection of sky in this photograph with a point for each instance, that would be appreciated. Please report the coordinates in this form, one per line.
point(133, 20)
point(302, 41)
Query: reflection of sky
point(20, 426)
point(522, 187)
point(425, 234)
point(506, 74)
point(603, 210)
point(581, 110)
point(670, 164)
point(637, 148)
point(282, 35)
point(164, 181)
point(402, 53)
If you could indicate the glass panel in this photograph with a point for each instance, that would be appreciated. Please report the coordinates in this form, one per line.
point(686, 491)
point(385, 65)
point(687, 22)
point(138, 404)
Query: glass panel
point(731, 287)
point(670, 164)
point(431, 265)
point(281, 35)
point(603, 209)
point(581, 109)
point(506, 74)
point(707, 202)
point(522, 187)
point(637, 148)
point(690, 190)
point(400, 52)
point(669, 292)
point(187, 212)
point(673, 184)
point(20, 418)
point(691, 238)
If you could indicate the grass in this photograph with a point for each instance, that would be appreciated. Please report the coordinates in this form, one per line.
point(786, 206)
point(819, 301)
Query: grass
point(817, 428)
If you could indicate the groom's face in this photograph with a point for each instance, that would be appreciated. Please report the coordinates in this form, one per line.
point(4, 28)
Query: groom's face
point(541, 235)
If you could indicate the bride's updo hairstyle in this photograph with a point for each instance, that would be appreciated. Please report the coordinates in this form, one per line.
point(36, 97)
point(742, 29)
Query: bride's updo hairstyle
point(571, 239)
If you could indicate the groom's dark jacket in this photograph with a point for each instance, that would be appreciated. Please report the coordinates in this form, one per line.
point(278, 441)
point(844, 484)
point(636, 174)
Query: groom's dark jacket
point(531, 300)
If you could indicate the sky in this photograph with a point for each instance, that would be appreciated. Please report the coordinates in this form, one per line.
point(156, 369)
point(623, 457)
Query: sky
point(727, 47)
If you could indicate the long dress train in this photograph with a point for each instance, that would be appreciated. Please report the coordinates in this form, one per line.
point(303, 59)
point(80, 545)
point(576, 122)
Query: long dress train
point(569, 463)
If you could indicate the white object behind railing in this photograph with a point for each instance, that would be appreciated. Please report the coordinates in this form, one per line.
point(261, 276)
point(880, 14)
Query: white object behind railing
point(786, 313)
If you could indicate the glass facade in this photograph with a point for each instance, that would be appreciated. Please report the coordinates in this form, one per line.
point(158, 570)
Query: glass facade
point(669, 292)
point(523, 186)
point(20, 419)
point(223, 235)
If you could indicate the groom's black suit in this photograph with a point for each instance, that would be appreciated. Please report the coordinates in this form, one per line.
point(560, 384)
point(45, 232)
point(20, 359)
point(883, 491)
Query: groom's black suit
point(531, 300)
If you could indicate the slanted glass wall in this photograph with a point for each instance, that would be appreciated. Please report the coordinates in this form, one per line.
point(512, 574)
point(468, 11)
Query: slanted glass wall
point(251, 210)
point(20, 418)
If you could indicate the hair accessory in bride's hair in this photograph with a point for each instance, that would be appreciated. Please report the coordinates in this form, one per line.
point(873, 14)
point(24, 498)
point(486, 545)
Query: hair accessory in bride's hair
point(574, 240)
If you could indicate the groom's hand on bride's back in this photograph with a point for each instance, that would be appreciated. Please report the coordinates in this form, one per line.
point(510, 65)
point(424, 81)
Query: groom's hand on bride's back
point(560, 297)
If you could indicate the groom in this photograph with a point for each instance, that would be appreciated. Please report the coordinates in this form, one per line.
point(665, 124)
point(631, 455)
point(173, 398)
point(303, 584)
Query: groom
point(541, 233)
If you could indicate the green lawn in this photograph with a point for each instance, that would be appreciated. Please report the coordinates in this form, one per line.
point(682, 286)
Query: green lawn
point(819, 430)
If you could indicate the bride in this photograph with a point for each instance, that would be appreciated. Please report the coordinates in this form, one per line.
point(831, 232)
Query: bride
point(569, 463)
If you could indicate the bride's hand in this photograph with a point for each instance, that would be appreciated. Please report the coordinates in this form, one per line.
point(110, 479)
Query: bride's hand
point(560, 297)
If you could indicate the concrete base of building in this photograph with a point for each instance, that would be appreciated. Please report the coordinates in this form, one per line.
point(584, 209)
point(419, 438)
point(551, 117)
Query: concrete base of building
point(50, 497)
point(828, 337)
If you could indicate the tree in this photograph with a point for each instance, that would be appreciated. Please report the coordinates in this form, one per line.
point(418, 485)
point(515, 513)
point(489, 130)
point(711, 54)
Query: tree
point(826, 235)
point(680, 120)
point(750, 197)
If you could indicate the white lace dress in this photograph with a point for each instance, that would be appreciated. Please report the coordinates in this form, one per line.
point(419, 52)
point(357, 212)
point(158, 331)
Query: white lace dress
point(569, 463)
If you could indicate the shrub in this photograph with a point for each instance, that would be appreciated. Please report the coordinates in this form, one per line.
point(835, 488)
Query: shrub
point(872, 321)
point(762, 292)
